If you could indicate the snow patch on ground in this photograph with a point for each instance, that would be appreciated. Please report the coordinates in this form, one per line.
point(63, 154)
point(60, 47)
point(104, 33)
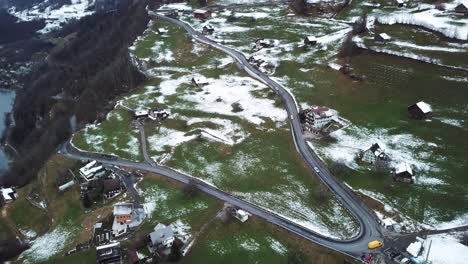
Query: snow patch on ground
point(277, 246)
point(168, 137)
point(48, 245)
point(250, 245)
point(55, 18)
point(427, 16)
point(445, 249)
point(452, 122)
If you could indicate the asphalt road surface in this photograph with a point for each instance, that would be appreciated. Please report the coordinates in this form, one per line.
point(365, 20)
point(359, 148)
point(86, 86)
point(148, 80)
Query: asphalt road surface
point(369, 228)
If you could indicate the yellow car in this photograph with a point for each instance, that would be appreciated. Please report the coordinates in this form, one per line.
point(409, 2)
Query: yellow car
point(374, 244)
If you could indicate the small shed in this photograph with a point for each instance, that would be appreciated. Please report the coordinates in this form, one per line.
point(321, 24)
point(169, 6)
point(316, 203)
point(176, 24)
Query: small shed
point(462, 9)
point(382, 37)
point(400, 3)
point(310, 40)
point(162, 31)
point(208, 29)
point(141, 113)
point(199, 80)
point(404, 173)
point(202, 14)
point(420, 110)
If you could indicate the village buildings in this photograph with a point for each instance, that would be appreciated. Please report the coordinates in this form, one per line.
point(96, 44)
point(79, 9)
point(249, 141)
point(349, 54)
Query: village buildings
point(202, 14)
point(420, 110)
point(153, 114)
point(208, 29)
point(462, 9)
point(263, 43)
point(382, 37)
point(126, 217)
point(112, 188)
point(92, 170)
point(101, 235)
point(8, 195)
point(404, 173)
point(162, 31)
point(199, 80)
point(374, 155)
point(161, 239)
point(109, 254)
point(240, 214)
point(318, 117)
point(310, 40)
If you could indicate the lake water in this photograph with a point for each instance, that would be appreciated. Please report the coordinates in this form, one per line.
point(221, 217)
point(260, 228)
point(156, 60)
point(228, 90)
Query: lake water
point(6, 104)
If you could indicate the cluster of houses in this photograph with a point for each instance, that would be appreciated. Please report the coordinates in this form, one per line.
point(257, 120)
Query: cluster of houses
point(8, 195)
point(98, 183)
point(125, 217)
point(376, 155)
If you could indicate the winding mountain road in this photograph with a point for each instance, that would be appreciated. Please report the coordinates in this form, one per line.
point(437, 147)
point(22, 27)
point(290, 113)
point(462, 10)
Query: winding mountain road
point(369, 228)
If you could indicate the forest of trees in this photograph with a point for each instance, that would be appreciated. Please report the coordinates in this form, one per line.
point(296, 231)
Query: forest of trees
point(78, 79)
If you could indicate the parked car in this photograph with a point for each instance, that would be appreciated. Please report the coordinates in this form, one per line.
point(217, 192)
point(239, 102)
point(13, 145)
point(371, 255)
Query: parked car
point(368, 259)
point(374, 244)
point(316, 169)
point(405, 261)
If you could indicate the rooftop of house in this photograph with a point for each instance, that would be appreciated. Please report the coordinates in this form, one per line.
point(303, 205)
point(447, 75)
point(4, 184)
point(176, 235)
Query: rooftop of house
point(123, 209)
point(320, 111)
point(385, 36)
point(9, 194)
point(88, 166)
point(200, 80)
point(311, 38)
point(161, 233)
point(200, 11)
point(108, 251)
point(111, 185)
point(425, 107)
point(162, 30)
point(376, 149)
point(403, 167)
point(208, 27)
point(141, 112)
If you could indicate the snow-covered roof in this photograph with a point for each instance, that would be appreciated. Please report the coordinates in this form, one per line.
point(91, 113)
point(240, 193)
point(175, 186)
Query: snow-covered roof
point(116, 244)
point(162, 30)
point(400, 1)
point(385, 36)
point(425, 107)
point(90, 168)
point(208, 27)
point(123, 209)
point(9, 194)
point(414, 248)
point(311, 38)
point(403, 167)
point(141, 112)
point(161, 234)
point(200, 80)
point(200, 11)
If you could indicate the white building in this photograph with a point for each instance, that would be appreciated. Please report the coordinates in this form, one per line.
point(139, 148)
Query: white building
point(200, 80)
point(240, 214)
point(382, 37)
point(317, 117)
point(404, 172)
point(126, 217)
point(374, 153)
point(162, 31)
point(9, 194)
point(91, 170)
point(141, 113)
point(162, 237)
